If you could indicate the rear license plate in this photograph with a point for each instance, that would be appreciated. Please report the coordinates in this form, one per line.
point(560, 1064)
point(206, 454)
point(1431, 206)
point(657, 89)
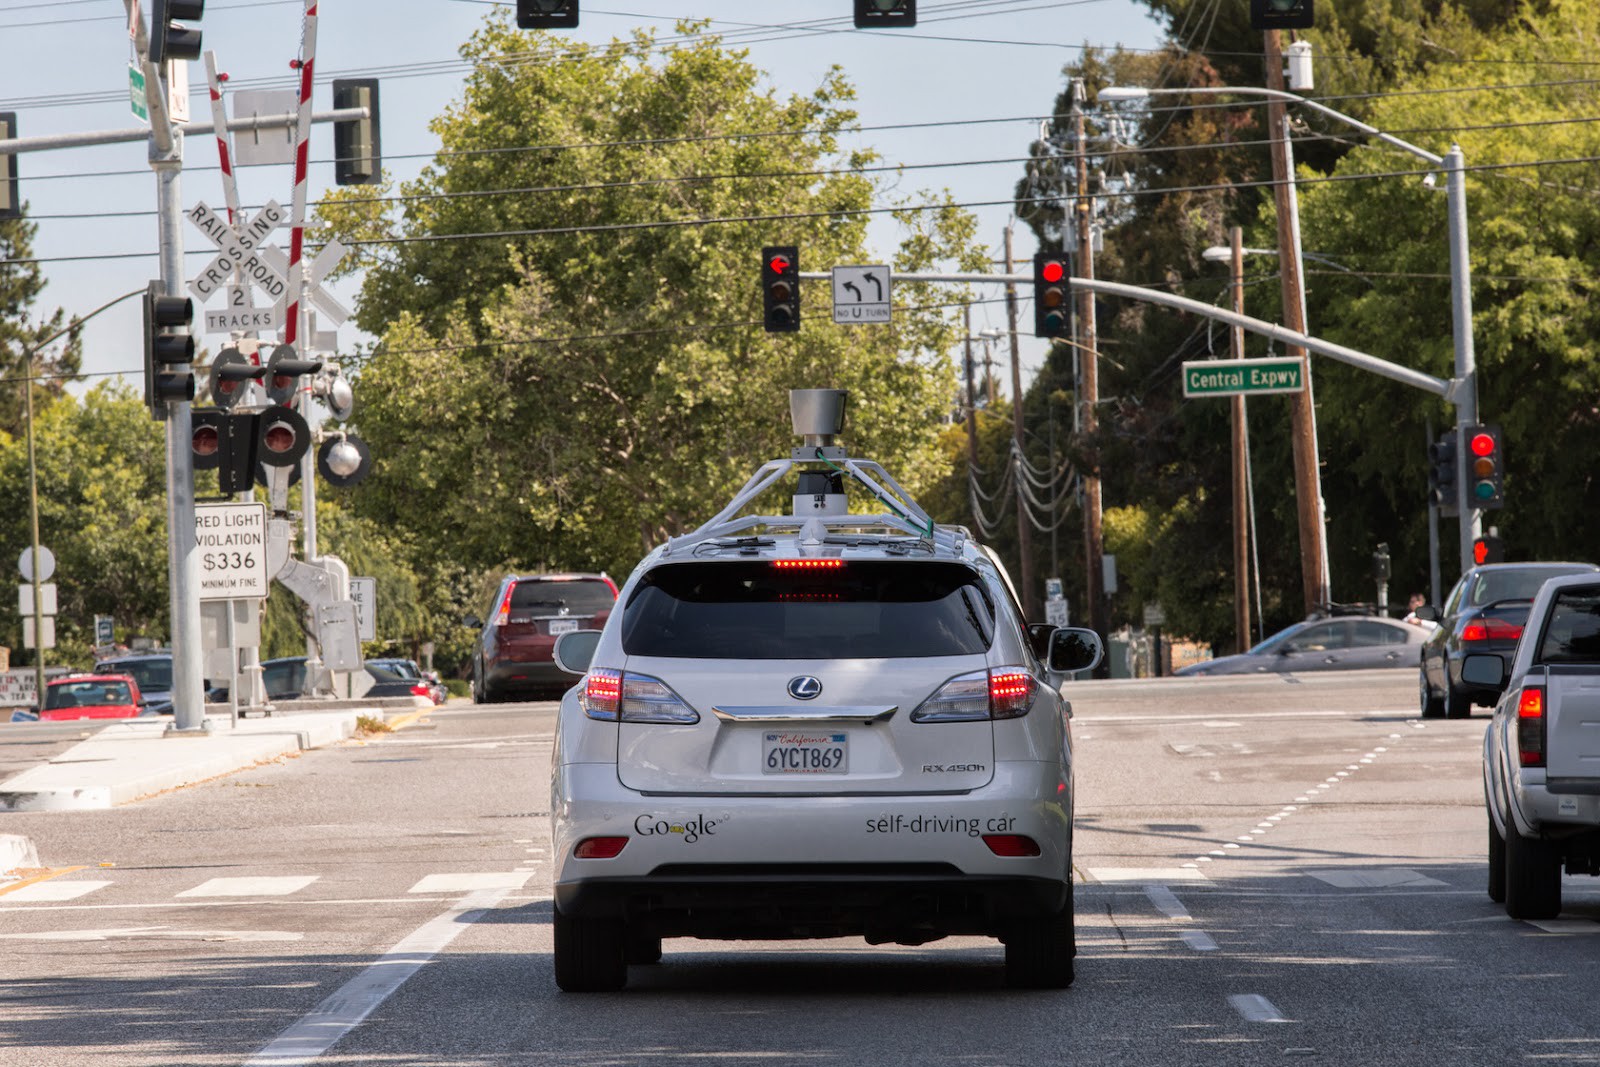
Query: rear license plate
point(562, 626)
point(804, 752)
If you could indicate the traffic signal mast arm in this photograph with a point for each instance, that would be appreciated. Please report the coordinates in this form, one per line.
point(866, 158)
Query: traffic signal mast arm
point(1405, 375)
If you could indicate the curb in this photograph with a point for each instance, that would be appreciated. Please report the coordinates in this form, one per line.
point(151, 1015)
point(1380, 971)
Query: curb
point(16, 852)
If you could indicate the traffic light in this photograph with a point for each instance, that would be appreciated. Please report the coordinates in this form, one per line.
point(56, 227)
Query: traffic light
point(547, 14)
point(168, 349)
point(10, 198)
point(282, 437)
point(283, 373)
point(170, 39)
point(1488, 549)
point(885, 14)
point(1380, 563)
point(229, 373)
point(357, 148)
point(1050, 288)
point(1486, 465)
point(1281, 15)
point(1442, 470)
point(780, 288)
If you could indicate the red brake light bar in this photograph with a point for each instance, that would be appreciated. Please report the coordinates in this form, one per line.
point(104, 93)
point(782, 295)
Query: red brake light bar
point(808, 564)
point(1490, 629)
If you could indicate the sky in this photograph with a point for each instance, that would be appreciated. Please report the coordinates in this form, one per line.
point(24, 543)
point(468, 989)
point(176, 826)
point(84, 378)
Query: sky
point(67, 72)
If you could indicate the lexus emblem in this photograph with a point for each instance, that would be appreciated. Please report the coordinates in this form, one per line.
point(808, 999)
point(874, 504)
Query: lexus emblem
point(804, 687)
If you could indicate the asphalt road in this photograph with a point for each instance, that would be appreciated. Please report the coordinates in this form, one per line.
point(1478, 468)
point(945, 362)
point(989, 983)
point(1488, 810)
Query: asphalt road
point(1270, 870)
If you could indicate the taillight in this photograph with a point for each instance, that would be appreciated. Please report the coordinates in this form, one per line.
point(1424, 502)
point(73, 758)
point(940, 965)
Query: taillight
point(610, 695)
point(421, 691)
point(504, 611)
point(1530, 726)
point(1002, 693)
point(808, 564)
point(600, 848)
point(1490, 629)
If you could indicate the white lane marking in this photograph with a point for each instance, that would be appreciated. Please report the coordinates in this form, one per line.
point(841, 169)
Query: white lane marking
point(249, 887)
point(1198, 940)
point(345, 901)
point(468, 882)
point(1255, 1008)
point(1145, 875)
point(1379, 878)
point(1167, 902)
point(1567, 926)
point(345, 1008)
point(165, 933)
point(54, 891)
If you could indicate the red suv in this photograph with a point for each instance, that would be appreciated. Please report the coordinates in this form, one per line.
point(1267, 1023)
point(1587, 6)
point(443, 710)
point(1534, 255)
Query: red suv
point(513, 656)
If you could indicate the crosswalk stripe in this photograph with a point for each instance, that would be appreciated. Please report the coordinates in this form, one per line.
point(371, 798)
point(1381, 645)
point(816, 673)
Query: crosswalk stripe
point(53, 891)
point(468, 882)
point(249, 887)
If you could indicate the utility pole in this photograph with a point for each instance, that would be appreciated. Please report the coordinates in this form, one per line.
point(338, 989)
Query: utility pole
point(1089, 379)
point(972, 406)
point(1241, 443)
point(1032, 606)
point(1302, 412)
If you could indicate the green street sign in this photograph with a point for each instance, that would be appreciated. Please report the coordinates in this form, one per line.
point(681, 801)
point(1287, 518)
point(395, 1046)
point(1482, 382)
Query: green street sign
point(136, 95)
point(1237, 377)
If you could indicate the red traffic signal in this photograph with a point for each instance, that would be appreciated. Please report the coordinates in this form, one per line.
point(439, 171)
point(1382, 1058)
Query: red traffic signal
point(1485, 467)
point(780, 288)
point(1050, 291)
point(1488, 549)
point(282, 437)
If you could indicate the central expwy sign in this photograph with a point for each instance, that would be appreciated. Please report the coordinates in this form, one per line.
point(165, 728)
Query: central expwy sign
point(1234, 377)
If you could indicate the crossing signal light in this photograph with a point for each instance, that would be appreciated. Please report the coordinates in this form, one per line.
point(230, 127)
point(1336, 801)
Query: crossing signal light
point(1488, 549)
point(357, 148)
point(547, 14)
point(168, 349)
point(283, 373)
point(282, 437)
point(780, 288)
point(885, 14)
point(1486, 465)
point(1050, 290)
point(226, 443)
point(10, 198)
point(170, 39)
point(1281, 15)
point(1442, 464)
point(231, 372)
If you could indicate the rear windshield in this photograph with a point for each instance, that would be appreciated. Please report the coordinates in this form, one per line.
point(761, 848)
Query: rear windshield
point(1573, 633)
point(1516, 584)
point(580, 596)
point(154, 675)
point(86, 694)
point(866, 609)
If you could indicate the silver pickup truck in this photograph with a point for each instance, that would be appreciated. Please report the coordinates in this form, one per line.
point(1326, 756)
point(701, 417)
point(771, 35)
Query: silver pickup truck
point(1541, 753)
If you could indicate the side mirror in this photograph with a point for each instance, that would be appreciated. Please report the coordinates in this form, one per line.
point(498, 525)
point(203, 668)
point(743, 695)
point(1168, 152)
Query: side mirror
point(472, 621)
point(1428, 612)
point(1485, 669)
point(1074, 649)
point(575, 650)
point(1039, 638)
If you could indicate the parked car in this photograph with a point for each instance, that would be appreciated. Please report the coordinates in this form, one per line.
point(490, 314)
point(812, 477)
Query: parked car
point(409, 669)
point(1484, 613)
point(285, 677)
point(1344, 643)
point(839, 726)
point(92, 696)
point(512, 657)
point(153, 672)
point(1541, 753)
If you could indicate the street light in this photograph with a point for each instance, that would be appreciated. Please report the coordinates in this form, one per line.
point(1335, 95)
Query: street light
point(1464, 393)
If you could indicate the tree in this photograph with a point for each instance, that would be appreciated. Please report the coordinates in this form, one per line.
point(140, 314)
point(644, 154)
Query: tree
point(21, 283)
point(588, 375)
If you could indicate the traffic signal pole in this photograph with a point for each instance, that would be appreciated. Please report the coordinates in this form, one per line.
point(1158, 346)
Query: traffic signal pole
point(1466, 366)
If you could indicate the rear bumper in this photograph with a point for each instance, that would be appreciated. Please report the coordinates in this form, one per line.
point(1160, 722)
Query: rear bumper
point(506, 674)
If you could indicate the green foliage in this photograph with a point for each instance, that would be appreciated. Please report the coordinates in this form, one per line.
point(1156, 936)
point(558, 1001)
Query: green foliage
point(21, 284)
point(558, 398)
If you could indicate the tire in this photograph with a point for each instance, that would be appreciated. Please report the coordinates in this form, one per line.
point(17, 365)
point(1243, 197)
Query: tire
point(641, 949)
point(1533, 877)
point(1456, 705)
point(1432, 706)
point(589, 954)
point(1039, 952)
point(1497, 864)
point(477, 685)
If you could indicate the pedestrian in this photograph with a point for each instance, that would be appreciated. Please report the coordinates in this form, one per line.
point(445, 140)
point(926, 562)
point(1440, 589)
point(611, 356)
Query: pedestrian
point(1418, 600)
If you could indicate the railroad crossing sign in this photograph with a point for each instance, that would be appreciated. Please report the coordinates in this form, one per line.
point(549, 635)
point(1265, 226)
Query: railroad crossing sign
point(238, 249)
point(861, 294)
point(317, 269)
point(1236, 377)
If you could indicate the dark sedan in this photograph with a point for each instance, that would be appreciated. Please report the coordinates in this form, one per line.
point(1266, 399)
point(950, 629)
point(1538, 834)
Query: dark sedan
point(1345, 643)
point(1484, 613)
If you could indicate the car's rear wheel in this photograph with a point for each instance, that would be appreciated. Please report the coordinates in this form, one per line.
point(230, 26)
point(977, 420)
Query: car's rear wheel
point(1039, 953)
point(1457, 705)
point(1497, 864)
point(1432, 706)
point(590, 954)
point(1533, 877)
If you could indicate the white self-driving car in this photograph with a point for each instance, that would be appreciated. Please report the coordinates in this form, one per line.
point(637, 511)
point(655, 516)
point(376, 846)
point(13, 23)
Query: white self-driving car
point(815, 725)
